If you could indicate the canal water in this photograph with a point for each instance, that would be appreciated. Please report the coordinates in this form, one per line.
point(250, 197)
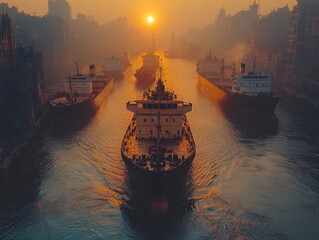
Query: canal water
point(252, 177)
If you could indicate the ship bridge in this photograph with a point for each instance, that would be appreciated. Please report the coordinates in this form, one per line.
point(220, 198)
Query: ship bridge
point(163, 104)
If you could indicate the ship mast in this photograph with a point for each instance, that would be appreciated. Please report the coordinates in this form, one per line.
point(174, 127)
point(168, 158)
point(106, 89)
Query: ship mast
point(159, 90)
point(158, 137)
point(70, 85)
point(77, 68)
point(254, 66)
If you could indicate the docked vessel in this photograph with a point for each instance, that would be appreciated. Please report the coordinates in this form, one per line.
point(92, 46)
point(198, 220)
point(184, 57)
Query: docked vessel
point(158, 143)
point(116, 66)
point(147, 73)
point(82, 93)
point(245, 91)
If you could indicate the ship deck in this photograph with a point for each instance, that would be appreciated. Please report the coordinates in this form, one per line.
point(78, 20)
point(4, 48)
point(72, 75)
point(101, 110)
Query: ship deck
point(176, 152)
point(226, 83)
point(64, 99)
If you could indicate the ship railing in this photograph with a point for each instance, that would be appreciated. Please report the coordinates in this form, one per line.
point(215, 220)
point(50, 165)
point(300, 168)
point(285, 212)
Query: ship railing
point(188, 136)
point(187, 104)
point(129, 132)
point(131, 103)
point(172, 159)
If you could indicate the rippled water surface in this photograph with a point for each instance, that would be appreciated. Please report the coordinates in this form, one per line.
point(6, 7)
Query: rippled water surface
point(252, 178)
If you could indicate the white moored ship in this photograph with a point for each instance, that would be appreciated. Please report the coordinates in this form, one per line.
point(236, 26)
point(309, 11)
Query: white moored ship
point(246, 91)
point(82, 93)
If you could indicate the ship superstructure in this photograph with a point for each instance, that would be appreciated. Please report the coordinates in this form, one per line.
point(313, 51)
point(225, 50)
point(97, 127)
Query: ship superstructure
point(158, 140)
point(251, 82)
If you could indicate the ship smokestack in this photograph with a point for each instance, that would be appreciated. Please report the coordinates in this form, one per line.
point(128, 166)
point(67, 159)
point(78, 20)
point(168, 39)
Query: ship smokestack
point(222, 70)
point(242, 68)
point(77, 68)
point(92, 70)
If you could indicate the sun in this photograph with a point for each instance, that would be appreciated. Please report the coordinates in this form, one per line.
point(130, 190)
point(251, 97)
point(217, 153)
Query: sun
point(150, 19)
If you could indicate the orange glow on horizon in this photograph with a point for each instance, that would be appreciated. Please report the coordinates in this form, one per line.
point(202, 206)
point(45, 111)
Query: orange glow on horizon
point(175, 16)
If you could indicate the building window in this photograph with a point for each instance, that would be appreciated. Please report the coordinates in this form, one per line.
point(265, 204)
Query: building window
point(173, 119)
point(152, 119)
point(144, 119)
point(166, 120)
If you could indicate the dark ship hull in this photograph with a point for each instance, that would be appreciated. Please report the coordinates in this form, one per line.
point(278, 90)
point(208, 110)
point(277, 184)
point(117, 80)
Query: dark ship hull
point(145, 75)
point(263, 103)
point(89, 105)
point(158, 175)
point(162, 180)
point(157, 184)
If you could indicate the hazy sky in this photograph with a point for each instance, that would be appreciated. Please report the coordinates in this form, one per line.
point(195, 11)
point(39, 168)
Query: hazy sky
point(173, 14)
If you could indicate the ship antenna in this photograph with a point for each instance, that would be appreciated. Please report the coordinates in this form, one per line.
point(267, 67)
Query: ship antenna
point(77, 68)
point(70, 85)
point(254, 67)
point(161, 69)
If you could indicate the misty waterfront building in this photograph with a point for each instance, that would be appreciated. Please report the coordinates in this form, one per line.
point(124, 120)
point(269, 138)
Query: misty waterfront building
point(50, 35)
point(60, 8)
point(270, 40)
point(222, 30)
point(303, 48)
point(59, 41)
point(229, 31)
point(243, 23)
point(7, 46)
point(22, 89)
point(62, 47)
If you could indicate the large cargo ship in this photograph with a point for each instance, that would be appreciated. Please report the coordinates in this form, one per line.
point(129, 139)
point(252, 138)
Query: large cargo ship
point(116, 66)
point(158, 144)
point(245, 91)
point(147, 73)
point(82, 93)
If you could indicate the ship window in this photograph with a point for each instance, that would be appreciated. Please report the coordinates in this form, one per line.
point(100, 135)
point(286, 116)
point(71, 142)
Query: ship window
point(150, 106)
point(168, 132)
point(173, 119)
point(174, 106)
point(152, 119)
point(169, 106)
point(144, 105)
point(155, 106)
point(163, 106)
